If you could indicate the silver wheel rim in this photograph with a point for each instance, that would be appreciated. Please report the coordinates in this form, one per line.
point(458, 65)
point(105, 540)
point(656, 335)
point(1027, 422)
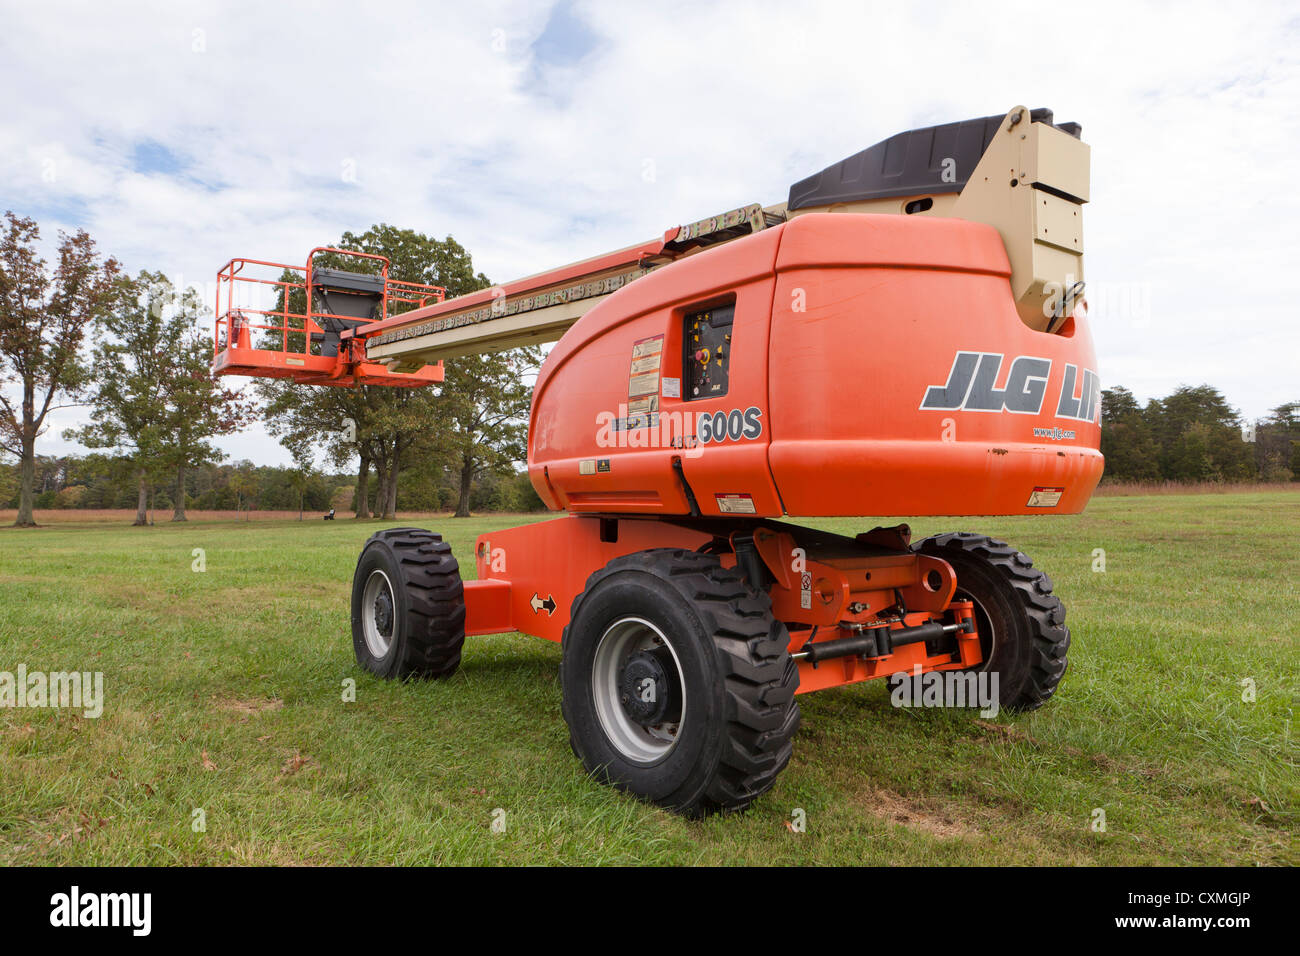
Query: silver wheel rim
point(637, 743)
point(377, 586)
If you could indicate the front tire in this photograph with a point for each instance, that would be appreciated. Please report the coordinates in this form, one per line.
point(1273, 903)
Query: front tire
point(677, 681)
point(1021, 622)
point(408, 606)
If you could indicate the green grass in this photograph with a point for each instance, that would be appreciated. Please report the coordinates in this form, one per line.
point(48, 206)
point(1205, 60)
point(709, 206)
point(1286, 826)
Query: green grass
point(246, 662)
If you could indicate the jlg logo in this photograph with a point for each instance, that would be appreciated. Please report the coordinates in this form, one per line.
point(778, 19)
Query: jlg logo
point(970, 387)
point(1087, 405)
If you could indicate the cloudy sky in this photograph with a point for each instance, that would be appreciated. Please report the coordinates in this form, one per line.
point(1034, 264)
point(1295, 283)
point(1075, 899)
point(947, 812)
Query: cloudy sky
point(182, 134)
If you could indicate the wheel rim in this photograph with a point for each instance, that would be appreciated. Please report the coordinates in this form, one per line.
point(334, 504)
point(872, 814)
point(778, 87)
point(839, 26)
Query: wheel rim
point(984, 625)
point(378, 613)
point(632, 652)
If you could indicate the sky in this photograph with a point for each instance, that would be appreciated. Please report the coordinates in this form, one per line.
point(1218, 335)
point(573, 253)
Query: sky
point(182, 134)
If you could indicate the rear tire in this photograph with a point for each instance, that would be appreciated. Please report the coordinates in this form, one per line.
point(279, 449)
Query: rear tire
point(714, 728)
point(1015, 602)
point(408, 606)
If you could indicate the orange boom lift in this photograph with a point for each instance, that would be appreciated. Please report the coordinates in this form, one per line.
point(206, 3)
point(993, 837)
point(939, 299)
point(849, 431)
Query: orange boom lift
point(905, 335)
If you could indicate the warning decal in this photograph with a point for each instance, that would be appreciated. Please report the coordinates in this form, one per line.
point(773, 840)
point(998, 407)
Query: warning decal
point(647, 361)
point(643, 347)
point(1045, 497)
point(642, 406)
point(735, 504)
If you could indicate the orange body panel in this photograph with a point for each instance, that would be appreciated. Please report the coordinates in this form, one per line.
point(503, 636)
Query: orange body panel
point(546, 565)
point(844, 325)
point(584, 383)
point(908, 308)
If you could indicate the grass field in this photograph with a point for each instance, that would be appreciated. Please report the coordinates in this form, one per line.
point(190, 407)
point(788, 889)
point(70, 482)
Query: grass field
point(224, 693)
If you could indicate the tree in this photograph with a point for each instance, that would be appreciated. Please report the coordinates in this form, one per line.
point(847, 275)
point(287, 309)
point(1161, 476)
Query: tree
point(1277, 443)
point(478, 421)
point(154, 398)
point(70, 497)
point(301, 477)
point(243, 482)
point(1189, 458)
point(197, 407)
point(1200, 436)
point(1118, 404)
point(482, 415)
point(1127, 442)
point(8, 484)
point(415, 257)
point(43, 322)
point(389, 425)
point(309, 418)
point(131, 363)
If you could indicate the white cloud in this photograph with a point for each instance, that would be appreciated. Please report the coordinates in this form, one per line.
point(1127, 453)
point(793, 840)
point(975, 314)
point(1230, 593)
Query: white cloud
point(455, 125)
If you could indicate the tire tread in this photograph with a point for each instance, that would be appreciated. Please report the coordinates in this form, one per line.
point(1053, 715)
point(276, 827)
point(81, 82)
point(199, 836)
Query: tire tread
point(758, 674)
point(436, 620)
point(1042, 608)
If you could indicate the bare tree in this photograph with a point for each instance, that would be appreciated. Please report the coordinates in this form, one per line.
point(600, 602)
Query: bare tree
point(43, 321)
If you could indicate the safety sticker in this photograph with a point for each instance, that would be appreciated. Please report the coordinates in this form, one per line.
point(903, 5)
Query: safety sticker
point(647, 361)
point(647, 384)
point(1045, 497)
point(593, 466)
point(647, 346)
point(643, 406)
point(632, 422)
point(735, 504)
point(672, 387)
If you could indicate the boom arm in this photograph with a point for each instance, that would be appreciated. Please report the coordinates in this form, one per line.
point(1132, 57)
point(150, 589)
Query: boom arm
point(1019, 173)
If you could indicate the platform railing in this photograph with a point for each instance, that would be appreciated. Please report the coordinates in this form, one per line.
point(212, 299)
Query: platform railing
point(238, 319)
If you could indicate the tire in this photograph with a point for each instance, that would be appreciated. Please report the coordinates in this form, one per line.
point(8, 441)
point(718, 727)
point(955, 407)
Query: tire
point(408, 606)
point(1014, 602)
point(721, 732)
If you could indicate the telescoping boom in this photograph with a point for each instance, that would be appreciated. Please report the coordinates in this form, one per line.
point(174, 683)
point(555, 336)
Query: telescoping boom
point(1020, 173)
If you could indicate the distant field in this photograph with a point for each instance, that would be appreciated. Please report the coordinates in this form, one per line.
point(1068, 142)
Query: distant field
point(63, 516)
point(224, 694)
point(1129, 488)
point(127, 515)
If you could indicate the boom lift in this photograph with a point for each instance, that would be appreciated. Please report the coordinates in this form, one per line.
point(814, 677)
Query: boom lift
point(905, 335)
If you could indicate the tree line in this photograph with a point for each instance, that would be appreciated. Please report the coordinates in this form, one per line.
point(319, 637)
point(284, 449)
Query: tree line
point(1194, 435)
point(96, 482)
